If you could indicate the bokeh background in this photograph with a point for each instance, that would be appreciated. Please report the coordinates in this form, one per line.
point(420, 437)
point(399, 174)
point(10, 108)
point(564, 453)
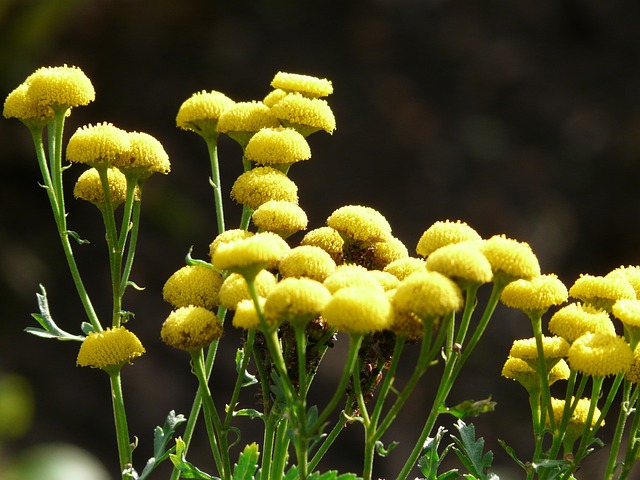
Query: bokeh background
point(520, 118)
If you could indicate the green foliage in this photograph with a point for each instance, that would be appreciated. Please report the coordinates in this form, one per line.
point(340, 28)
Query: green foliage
point(186, 469)
point(470, 452)
point(430, 460)
point(49, 328)
point(470, 408)
point(247, 464)
point(292, 474)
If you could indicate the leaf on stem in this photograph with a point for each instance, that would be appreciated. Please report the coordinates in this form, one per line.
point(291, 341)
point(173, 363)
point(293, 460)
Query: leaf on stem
point(430, 460)
point(382, 451)
point(469, 408)
point(292, 474)
point(186, 469)
point(49, 328)
point(77, 238)
point(247, 378)
point(470, 451)
point(161, 438)
point(247, 464)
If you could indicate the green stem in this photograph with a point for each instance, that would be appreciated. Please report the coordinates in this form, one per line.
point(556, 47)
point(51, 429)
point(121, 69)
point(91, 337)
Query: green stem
point(212, 147)
point(388, 378)
point(133, 240)
point(623, 415)
point(631, 455)
point(120, 417)
point(545, 408)
point(332, 436)
point(280, 450)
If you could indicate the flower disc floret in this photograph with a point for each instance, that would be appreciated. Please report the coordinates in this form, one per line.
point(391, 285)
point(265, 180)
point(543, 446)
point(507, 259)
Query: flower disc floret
point(60, 86)
point(228, 236)
point(98, 145)
point(19, 104)
point(351, 276)
point(631, 274)
point(109, 349)
point(200, 113)
point(307, 261)
point(244, 119)
point(602, 292)
point(388, 251)
point(306, 115)
point(553, 348)
point(234, 289)
point(328, 239)
point(196, 285)
point(576, 319)
point(281, 217)
point(522, 372)
point(360, 224)
point(261, 184)
point(427, 294)
point(273, 97)
point(248, 256)
point(296, 300)
point(89, 187)
point(385, 279)
point(305, 84)
point(190, 328)
point(277, 146)
point(462, 262)
point(510, 258)
point(633, 374)
point(404, 267)
point(146, 156)
point(444, 233)
point(600, 355)
point(536, 295)
point(358, 310)
point(246, 316)
point(627, 311)
point(578, 419)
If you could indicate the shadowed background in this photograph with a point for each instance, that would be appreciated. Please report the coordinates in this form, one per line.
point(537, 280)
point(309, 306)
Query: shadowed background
point(520, 118)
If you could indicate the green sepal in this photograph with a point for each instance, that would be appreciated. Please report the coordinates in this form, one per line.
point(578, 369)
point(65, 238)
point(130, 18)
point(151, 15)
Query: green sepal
point(49, 328)
point(247, 464)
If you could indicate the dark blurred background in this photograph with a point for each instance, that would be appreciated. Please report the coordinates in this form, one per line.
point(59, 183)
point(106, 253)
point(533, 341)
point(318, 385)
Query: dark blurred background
point(520, 118)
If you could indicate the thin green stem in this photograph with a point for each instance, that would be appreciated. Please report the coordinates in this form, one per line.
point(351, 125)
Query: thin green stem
point(212, 147)
point(120, 418)
point(388, 378)
point(133, 241)
point(631, 455)
point(332, 436)
point(623, 415)
point(280, 450)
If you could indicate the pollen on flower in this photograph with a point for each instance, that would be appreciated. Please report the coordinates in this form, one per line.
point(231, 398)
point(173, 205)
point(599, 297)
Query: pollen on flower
point(578, 419)
point(536, 295)
point(307, 261)
point(189, 328)
point(351, 276)
point(228, 236)
point(600, 355)
point(462, 262)
point(196, 285)
point(98, 145)
point(273, 97)
point(19, 104)
point(444, 233)
point(360, 224)
point(261, 184)
point(277, 146)
point(234, 289)
point(602, 292)
point(521, 371)
point(427, 294)
point(109, 349)
point(60, 86)
point(510, 258)
point(281, 217)
point(631, 274)
point(387, 251)
point(552, 347)
point(306, 115)
point(89, 187)
point(403, 267)
point(406, 324)
point(200, 112)
point(328, 239)
point(576, 319)
point(295, 300)
point(246, 315)
point(627, 311)
point(358, 310)
point(386, 280)
point(245, 119)
point(146, 156)
point(305, 84)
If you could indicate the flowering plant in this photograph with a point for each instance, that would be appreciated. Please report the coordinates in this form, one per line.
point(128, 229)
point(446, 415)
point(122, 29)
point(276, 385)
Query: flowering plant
point(349, 281)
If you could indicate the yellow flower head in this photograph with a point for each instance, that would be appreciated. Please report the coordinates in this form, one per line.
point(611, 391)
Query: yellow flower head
point(510, 258)
point(308, 86)
point(89, 187)
point(385, 279)
point(578, 420)
point(200, 112)
point(444, 233)
point(360, 224)
point(281, 217)
point(627, 311)
point(261, 184)
point(307, 261)
point(387, 251)
point(146, 156)
point(249, 256)
point(190, 328)
point(427, 294)
point(462, 262)
point(109, 349)
point(328, 239)
point(228, 236)
point(352, 276)
point(633, 374)
point(553, 348)
point(246, 315)
point(244, 119)
point(404, 267)
point(631, 274)
point(306, 115)
point(526, 375)
point(273, 97)
point(602, 292)
point(406, 324)
point(534, 296)
point(600, 354)
point(576, 319)
point(196, 285)
point(19, 104)
point(98, 145)
point(234, 289)
point(60, 87)
point(296, 300)
point(277, 146)
point(358, 310)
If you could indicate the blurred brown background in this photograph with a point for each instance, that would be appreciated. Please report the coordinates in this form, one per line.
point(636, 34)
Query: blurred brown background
point(520, 118)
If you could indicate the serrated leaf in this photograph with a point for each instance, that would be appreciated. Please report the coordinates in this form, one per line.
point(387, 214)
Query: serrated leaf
point(450, 475)
point(469, 408)
point(470, 451)
point(49, 327)
point(247, 463)
point(430, 460)
point(186, 469)
point(512, 453)
point(292, 474)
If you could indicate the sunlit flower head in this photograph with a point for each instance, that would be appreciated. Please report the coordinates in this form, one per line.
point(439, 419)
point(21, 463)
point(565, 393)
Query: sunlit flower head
point(631, 274)
point(576, 319)
point(602, 292)
point(510, 258)
point(146, 156)
point(245, 119)
point(633, 374)
point(462, 262)
point(404, 267)
point(328, 239)
point(249, 256)
point(305, 84)
point(273, 97)
point(228, 236)
point(246, 315)
point(277, 146)
point(60, 87)
point(296, 300)
point(360, 224)
point(109, 349)
point(387, 251)
point(306, 115)
point(352, 276)
point(627, 311)
point(196, 285)
point(190, 328)
point(200, 112)
point(534, 296)
point(386, 280)
point(444, 233)
point(307, 261)
point(234, 289)
point(98, 145)
point(19, 104)
point(358, 310)
point(427, 294)
point(553, 348)
point(261, 184)
point(89, 187)
point(600, 355)
point(577, 421)
point(281, 217)
point(522, 371)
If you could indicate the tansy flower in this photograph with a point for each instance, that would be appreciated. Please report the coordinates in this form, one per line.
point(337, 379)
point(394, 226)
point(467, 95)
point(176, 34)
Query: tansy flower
point(462, 262)
point(89, 187)
point(200, 112)
point(328, 239)
point(351, 276)
point(109, 349)
point(385, 279)
point(406, 324)
point(427, 294)
point(190, 328)
point(277, 146)
point(19, 104)
point(444, 233)
point(244, 119)
point(305, 84)
point(633, 374)
point(98, 145)
point(510, 258)
point(628, 312)
point(577, 421)
point(273, 97)
point(228, 236)
point(146, 156)
point(522, 372)
point(631, 274)
point(261, 184)
point(306, 115)
point(553, 349)
point(60, 87)
point(535, 296)
point(358, 310)
point(360, 224)
point(602, 292)
point(387, 251)
point(307, 261)
point(576, 319)
point(234, 289)
point(296, 300)
point(249, 256)
point(196, 285)
point(281, 217)
point(246, 315)
point(404, 267)
point(600, 355)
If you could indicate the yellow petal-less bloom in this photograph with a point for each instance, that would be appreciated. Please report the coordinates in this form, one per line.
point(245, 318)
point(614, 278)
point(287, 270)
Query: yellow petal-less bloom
point(578, 420)
point(631, 273)
point(261, 184)
point(627, 311)
point(553, 348)
point(328, 239)
point(427, 294)
point(307, 261)
point(228, 236)
point(358, 310)
point(200, 113)
point(196, 285)
point(510, 258)
point(190, 328)
point(602, 292)
point(281, 217)
point(249, 256)
point(386, 280)
point(109, 349)
point(633, 374)
point(60, 87)
point(245, 119)
point(273, 97)
point(444, 233)
point(346, 276)
point(98, 145)
point(576, 319)
point(406, 324)
point(522, 372)
point(307, 85)
point(360, 224)
point(89, 187)
point(600, 355)
point(19, 104)
point(246, 315)
point(146, 156)
point(296, 300)
point(404, 267)
point(234, 289)
point(462, 262)
point(534, 296)
point(387, 251)
point(277, 146)
point(306, 115)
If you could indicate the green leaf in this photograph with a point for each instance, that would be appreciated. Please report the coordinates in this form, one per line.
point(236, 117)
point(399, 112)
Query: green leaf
point(77, 238)
point(49, 328)
point(189, 260)
point(470, 451)
point(469, 408)
point(247, 378)
point(248, 412)
point(161, 438)
point(247, 464)
point(382, 451)
point(512, 453)
point(429, 461)
point(292, 474)
point(187, 470)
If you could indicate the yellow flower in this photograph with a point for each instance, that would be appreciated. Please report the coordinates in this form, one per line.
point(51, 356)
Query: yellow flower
point(633, 374)
point(228, 236)
point(406, 324)
point(19, 104)
point(386, 280)
point(360, 224)
point(244, 119)
point(60, 87)
point(307, 261)
point(89, 187)
point(261, 184)
point(295, 300)
point(200, 112)
point(387, 251)
point(553, 348)
point(627, 311)
point(427, 294)
point(534, 296)
point(190, 328)
point(249, 256)
point(305, 84)
point(273, 97)
point(281, 217)
point(574, 320)
point(328, 239)
point(99, 145)
point(602, 292)
point(631, 274)
point(196, 285)
point(234, 289)
point(600, 355)
point(358, 310)
point(246, 315)
point(510, 258)
point(444, 233)
point(462, 262)
point(404, 267)
point(352, 276)
point(109, 349)
point(146, 156)
point(277, 146)
point(306, 115)
point(526, 375)
point(577, 421)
